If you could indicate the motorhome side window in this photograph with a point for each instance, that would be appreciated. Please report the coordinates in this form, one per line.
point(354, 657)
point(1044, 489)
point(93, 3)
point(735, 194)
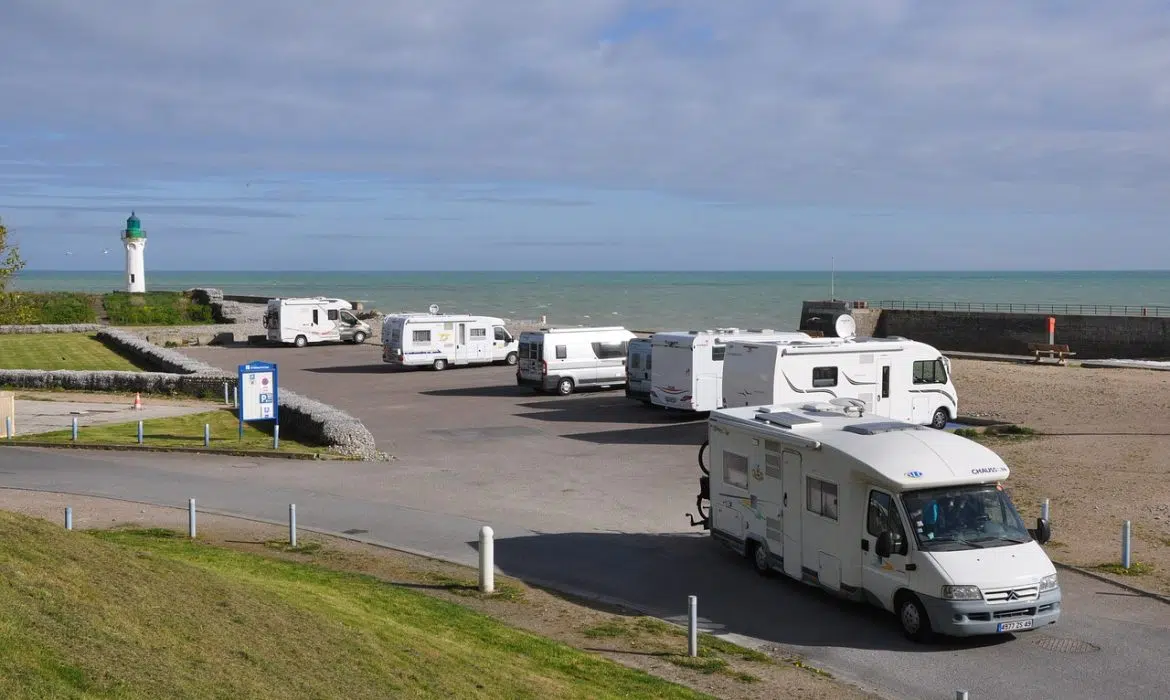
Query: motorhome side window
point(502, 334)
point(930, 372)
point(422, 336)
point(332, 314)
point(821, 498)
point(562, 352)
point(609, 351)
point(478, 332)
point(735, 469)
point(882, 515)
point(717, 352)
point(824, 376)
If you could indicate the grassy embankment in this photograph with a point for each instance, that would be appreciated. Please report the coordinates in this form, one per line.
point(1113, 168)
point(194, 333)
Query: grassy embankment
point(49, 351)
point(183, 431)
point(148, 614)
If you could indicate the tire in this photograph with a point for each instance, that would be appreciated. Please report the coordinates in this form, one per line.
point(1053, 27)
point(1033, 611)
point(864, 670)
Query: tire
point(565, 386)
point(301, 341)
point(359, 338)
point(759, 554)
point(439, 365)
point(511, 359)
point(702, 449)
point(913, 619)
point(940, 418)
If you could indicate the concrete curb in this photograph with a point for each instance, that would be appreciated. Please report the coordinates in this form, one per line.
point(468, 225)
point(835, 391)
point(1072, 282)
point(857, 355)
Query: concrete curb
point(185, 450)
point(1105, 579)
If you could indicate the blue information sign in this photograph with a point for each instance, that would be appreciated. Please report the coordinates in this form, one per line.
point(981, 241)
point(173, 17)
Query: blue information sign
point(257, 395)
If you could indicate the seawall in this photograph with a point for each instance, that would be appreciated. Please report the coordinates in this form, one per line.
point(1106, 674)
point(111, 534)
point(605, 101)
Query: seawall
point(1089, 335)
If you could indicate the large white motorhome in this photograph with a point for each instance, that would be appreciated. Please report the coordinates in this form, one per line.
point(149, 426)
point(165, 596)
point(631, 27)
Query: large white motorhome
point(440, 340)
point(566, 359)
point(913, 520)
point(301, 321)
point(688, 365)
point(895, 377)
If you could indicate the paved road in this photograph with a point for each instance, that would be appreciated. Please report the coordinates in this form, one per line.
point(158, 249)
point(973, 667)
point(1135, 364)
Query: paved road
point(1110, 644)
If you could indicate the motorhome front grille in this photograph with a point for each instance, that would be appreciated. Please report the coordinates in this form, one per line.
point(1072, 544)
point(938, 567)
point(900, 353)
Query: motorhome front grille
point(775, 528)
point(1012, 595)
point(772, 465)
point(1007, 614)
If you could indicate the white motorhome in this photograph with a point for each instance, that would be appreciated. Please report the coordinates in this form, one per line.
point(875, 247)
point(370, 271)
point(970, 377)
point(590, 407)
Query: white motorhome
point(913, 520)
point(688, 365)
point(895, 377)
point(565, 359)
point(301, 321)
point(638, 367)
point(439, 340)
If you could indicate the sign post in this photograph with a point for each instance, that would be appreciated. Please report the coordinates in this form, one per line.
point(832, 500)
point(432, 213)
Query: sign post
point(257, 395)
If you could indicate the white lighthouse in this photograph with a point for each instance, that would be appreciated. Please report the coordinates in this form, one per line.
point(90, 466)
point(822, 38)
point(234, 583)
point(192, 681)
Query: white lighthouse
point(134, 238)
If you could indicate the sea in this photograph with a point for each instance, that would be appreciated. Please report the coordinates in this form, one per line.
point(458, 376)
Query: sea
point(646, 300)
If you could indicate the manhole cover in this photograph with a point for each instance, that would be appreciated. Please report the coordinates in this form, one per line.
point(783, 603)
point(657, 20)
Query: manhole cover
point(1065, 645)
point(354, 532)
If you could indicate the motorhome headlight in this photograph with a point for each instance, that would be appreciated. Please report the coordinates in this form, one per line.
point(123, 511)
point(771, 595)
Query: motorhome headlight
point(961, 593)
point(1048, 583)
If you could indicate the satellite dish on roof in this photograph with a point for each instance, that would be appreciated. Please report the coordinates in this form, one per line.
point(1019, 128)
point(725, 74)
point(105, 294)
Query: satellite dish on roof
point(845, 326)
point(433, 308)
point(851, 405)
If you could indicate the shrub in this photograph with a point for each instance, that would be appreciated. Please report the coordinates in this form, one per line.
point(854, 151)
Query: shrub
point(155, 309)
point(49, 307)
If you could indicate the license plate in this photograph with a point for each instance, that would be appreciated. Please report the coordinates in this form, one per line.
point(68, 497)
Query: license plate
point(1015, 625)
point(671, 399)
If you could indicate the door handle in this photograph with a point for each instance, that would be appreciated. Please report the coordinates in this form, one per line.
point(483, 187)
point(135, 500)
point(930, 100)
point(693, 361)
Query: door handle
point(785, 500)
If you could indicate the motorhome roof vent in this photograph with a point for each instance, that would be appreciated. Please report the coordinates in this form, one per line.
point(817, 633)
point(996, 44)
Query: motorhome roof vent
point(760, 330)
point(784, 419)
point(883, 427)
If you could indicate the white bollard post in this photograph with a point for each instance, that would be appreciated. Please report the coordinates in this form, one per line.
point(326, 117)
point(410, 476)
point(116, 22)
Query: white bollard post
point(191, 518)
point(292, 525)
point(68, 518)
point(960, 695)
point(487, 565)
point(139, 432)
point(8, 427)
point(1044, 510)
point(692, 625)
point(225, 395)
point(276, 436)
point(74, 428)
point(207, 434)
point(1125, 545)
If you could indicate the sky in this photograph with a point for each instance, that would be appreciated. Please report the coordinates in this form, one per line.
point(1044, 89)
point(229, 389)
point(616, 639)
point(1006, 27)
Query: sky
point(599, 135)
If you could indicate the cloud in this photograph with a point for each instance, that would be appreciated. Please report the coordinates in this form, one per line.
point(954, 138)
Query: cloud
point(801, 101)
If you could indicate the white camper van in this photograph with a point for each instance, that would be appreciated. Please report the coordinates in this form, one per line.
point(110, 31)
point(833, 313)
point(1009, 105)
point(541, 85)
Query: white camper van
point(439, 340)
point(638, 368)
point(912, 520)
point(895, 377)
point(313, 320)
point(688, 365)
point(566, 359)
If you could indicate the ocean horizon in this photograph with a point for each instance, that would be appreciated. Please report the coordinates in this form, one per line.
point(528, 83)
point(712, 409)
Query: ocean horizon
point(652, 299)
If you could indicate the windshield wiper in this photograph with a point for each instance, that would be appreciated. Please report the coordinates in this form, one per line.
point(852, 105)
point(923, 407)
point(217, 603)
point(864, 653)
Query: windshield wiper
point(1000, 537)
point(956, 540)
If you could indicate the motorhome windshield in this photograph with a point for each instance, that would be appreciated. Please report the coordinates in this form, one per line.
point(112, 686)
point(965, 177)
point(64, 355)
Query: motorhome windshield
point(964, 517)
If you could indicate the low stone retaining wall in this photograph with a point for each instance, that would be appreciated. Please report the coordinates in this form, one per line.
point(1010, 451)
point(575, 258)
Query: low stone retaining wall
point(64, 328)
point(309, 420)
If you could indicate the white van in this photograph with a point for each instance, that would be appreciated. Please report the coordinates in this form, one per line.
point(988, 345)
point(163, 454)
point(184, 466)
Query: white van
point(440, 340)
point(895, 377)
point(688, 365)
point(638, 368)
point(301, 321)
point(912, 520)
point(565, 359)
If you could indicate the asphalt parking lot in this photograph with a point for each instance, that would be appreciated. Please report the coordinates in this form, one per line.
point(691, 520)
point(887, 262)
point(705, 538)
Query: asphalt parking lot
point(474, 440)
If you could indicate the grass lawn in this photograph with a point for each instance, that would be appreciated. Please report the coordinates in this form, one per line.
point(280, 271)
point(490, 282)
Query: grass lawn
point(182, 431)
point(151, 614)
point(59, 351)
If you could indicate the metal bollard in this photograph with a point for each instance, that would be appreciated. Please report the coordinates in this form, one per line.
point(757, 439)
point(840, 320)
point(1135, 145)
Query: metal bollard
point(292, 525)
point(1044, 510)
point(276, 436)
point(960, 695)
point(487, 566)
point(8, 427)
point(75, 429)
point(225, 395)
point(692, 625)
point(68, 518)
point(139, 432)
point(207, 434)
point(191, 518)
point(1125, 545)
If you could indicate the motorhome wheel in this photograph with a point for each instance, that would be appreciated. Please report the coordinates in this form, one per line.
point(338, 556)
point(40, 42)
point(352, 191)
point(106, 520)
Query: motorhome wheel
point(511, 358)
point(359, 338)
point(939, 419)
point(912, 615)
point(301, 341)
point(565, 386)
point(439, 364)
point(760, 557)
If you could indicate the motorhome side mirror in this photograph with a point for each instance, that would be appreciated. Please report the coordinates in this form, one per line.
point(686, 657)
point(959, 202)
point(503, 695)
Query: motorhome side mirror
point(889, 543)
point(1043, 531)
